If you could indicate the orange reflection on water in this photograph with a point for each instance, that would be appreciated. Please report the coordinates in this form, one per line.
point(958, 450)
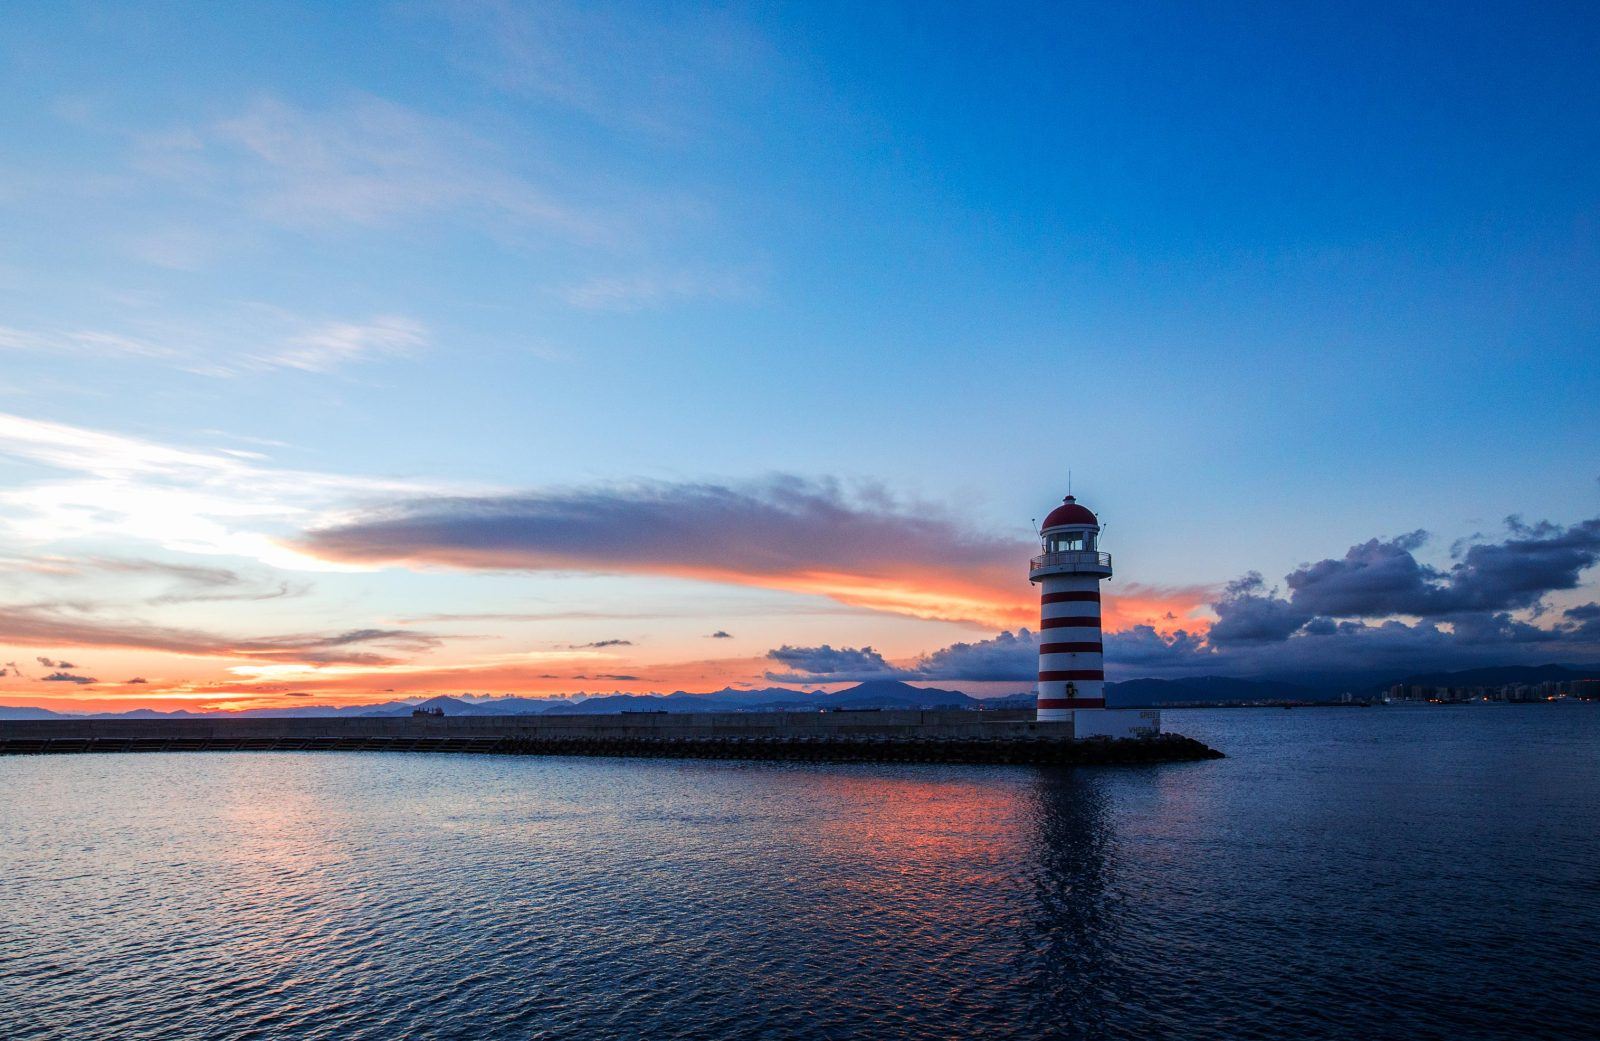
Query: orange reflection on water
point(916, 832)
point(285, 875)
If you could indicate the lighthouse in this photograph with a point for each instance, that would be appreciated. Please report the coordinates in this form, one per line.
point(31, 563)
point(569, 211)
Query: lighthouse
point(1069, 571)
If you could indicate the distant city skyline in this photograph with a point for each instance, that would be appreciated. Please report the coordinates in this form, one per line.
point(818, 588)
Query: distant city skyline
point(389, 350)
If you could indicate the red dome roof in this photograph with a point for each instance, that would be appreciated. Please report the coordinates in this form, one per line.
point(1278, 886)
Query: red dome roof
point(1069, 512)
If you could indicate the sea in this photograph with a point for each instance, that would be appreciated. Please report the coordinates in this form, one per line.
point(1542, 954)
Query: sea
point(1384, 872)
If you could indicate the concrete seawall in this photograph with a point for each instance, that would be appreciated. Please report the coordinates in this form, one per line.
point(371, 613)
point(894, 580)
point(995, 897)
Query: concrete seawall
point(949, 735)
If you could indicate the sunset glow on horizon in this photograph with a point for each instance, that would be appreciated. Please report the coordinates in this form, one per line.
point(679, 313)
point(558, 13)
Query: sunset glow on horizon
point(381, 352)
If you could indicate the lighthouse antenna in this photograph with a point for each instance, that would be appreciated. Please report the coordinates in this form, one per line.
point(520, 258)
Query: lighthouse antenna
point(1069, 482)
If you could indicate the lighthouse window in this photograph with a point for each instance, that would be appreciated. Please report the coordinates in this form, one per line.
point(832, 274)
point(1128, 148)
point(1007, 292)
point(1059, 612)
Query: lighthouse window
point(1066, 543)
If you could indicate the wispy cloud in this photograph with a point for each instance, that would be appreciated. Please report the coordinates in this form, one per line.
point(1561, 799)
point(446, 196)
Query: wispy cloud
point(663, 71)
point(28, 625)
point(119, 581)
point(83, 342)
point(176, 247)
point(505, 670)
point(250, 339)
point(329, 346)
point(366, 161)
point(640, 292)
point(184, 499)
point(189, 583)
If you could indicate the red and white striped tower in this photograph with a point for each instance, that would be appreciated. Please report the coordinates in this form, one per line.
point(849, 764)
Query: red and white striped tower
point(1071, 660)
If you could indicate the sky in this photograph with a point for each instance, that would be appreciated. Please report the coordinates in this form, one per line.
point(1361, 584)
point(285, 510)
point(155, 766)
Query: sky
point(351, 352)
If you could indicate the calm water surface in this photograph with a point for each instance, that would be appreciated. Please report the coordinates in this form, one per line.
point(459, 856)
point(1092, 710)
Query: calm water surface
point(1346, 873)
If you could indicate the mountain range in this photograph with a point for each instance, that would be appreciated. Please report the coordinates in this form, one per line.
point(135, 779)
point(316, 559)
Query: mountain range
point(873, 694)
point(869, 695)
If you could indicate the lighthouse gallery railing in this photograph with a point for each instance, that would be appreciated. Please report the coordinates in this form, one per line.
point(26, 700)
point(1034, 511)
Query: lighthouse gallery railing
point(1071, 556)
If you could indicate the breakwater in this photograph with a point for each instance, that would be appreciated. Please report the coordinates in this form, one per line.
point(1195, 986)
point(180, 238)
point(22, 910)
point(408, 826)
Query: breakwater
point(941, 736)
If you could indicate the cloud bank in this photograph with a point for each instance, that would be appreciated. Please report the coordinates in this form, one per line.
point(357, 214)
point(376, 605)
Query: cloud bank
point(1379, 608)
point(861, 549)
point(364, 161)
point(1375, 611)
point(1006, 657)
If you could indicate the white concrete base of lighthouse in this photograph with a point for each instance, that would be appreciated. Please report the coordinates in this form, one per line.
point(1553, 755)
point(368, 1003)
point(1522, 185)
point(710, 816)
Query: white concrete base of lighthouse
point(1115, 722)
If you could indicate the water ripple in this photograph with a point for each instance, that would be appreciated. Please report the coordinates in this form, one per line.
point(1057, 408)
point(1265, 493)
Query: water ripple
point(1350, 873)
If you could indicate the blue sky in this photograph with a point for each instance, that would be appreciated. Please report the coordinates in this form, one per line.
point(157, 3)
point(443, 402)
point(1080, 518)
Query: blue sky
point(1271, 282)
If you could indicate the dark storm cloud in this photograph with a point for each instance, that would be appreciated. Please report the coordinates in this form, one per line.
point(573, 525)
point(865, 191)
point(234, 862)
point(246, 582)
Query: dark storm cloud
point(602, 643)
point(1462, 613)
point(1006, 657)
point(1328, 648)
point(827, 664)
point(136, 679)
point(1393, 645)
point(1247, 613)
point(1142, 648)
point(1382, 578)
point(67, 677)
point(1581, 622)
point(721, 635)
point(1376, 577)
point(1340, 613)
